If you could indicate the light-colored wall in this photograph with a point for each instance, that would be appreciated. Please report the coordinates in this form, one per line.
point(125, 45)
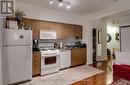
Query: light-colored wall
point(87, 38)
point(112, 30)
point(104, 42)
point(41, 13)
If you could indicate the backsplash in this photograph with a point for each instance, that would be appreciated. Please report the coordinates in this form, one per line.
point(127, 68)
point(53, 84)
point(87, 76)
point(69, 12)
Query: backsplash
point(71, 40)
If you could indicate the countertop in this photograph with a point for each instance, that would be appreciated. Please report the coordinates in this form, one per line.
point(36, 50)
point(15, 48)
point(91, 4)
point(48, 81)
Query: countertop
point(64, 49)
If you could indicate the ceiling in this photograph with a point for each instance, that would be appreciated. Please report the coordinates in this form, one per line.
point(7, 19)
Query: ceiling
point(118, 15)
point(78, 7)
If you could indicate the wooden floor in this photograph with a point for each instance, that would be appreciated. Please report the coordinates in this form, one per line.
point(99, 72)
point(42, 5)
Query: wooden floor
point(105, 78)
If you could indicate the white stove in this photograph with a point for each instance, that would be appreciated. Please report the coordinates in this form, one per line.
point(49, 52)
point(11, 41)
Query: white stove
point(49, 59)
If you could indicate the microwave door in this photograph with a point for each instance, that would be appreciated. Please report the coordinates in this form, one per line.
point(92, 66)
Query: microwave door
point(48, 35)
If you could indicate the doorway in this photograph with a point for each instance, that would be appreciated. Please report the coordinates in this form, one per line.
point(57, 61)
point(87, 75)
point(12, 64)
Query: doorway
point(97, 45)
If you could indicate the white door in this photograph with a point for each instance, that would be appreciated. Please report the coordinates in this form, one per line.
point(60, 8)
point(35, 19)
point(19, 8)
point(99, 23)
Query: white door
point(17, 37)
point(19, 63)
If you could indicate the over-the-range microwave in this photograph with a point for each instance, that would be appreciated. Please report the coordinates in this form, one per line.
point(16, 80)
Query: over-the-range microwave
point(48, 34)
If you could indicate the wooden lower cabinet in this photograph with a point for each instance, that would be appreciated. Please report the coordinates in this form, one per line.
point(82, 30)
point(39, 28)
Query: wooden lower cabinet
point(36, 66)
point(78, 56)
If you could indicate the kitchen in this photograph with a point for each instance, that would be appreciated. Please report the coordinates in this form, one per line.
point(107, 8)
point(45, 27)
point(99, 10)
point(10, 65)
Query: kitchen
point(53, 40)
point(55, 46)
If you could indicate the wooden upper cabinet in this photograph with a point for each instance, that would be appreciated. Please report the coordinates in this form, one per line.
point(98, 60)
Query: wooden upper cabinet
point(77, 31)
point(35, 28)
point(44, 25)
point(63, 30)
point(67, 30)
point(70, 31)
point(59, 29)
point(27, 23)
point(52, 26)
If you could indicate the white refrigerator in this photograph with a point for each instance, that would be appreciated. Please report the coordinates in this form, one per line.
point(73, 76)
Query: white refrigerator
point(18, 55)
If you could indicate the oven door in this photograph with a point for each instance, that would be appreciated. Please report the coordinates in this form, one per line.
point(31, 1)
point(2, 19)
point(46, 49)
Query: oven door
point(49, 61)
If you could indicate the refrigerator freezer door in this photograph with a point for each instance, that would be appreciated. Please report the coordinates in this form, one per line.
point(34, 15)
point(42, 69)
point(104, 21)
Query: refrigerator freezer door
point(17, 37)
point(19, 63)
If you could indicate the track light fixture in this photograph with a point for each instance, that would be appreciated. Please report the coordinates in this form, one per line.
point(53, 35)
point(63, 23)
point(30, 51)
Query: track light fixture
point(68, 5)
point(61, 3)
point(51, 1)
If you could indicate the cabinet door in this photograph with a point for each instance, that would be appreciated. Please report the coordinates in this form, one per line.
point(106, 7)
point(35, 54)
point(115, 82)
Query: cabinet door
point(70, 31)
point(33, 65)
point(36, 64)
point(27, 23)
point(52, 26)
point(35, 28)
point(67, 30)
point(59, 31)
point(75, 57)
point(44, 25)
point(78, 56)
point(83, 57)
point(77, 31)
